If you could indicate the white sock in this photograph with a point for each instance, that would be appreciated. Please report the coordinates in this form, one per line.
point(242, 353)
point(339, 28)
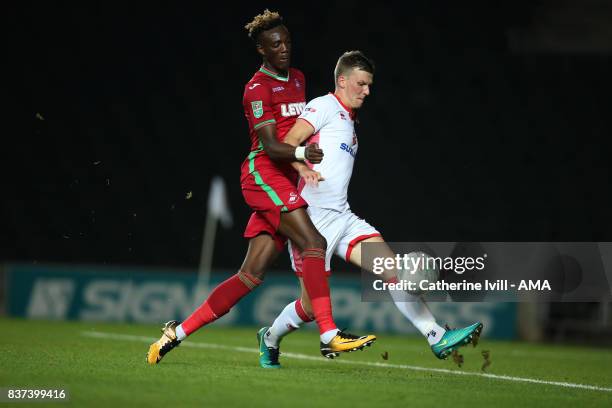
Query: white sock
point(180, 333)
point(329, 335)
point(287, 321)
point(415, 310)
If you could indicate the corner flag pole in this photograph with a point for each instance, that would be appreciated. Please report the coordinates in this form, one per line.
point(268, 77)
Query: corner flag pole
point(218, 210)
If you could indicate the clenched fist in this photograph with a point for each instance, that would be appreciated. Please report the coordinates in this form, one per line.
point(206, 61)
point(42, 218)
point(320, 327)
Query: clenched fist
point(313, 154)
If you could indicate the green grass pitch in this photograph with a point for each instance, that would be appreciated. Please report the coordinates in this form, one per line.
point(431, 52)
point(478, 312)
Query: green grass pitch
point(104, 365)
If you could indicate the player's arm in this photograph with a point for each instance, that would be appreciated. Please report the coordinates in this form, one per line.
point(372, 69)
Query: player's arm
point(299, 133)
point(290, 151)
point(309, 176)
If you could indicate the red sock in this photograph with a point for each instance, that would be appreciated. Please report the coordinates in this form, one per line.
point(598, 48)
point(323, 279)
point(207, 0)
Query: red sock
point(315, 281)
point(220, 301)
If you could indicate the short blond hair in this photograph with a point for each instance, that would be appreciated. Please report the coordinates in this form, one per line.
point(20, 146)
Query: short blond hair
point(351, 60)
point(263, 22)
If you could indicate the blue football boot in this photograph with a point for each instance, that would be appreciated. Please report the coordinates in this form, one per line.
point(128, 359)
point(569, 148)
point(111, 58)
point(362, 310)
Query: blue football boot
point(453, 339)
point(268, 356)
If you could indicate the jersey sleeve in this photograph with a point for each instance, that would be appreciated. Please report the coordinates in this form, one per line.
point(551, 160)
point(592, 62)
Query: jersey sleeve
point(257, 103)
point(317, 113)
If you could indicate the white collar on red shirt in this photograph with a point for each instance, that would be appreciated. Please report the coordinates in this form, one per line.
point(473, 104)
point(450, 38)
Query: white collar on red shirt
point(273, 74)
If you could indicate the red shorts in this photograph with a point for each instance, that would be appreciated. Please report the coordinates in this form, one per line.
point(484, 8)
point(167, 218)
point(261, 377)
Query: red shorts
point(269, 193)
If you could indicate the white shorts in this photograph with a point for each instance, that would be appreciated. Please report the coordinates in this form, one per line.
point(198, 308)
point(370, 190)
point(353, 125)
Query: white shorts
point(342, 231)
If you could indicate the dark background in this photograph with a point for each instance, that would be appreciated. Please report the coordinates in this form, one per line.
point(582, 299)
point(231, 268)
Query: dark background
point(482, 125)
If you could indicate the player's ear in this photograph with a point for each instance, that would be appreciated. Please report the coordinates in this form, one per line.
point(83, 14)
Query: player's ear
point(260, 49)
point(341, 82)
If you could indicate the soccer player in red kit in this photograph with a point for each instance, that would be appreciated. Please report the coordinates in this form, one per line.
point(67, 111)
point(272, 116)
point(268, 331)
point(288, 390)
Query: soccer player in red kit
point(273, 99)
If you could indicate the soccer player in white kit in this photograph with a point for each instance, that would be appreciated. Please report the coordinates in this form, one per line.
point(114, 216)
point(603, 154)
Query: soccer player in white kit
point(329, 121)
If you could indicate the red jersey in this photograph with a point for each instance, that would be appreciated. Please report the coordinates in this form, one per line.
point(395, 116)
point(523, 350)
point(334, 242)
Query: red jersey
point(271, 99)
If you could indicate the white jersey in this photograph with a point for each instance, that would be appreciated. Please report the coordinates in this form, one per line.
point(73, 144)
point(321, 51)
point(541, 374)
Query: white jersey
point(334, 131)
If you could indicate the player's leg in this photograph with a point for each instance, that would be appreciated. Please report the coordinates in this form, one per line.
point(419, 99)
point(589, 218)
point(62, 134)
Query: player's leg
point(411, 306)
point(279, 203)
point(262, 251)
point(293, 315)
point(414, 308)
point(274, 195)
point(300, 312)
point(291, 318)
point(297, 226)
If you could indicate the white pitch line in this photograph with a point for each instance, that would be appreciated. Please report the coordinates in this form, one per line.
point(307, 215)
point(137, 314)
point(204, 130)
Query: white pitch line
point(144, 339)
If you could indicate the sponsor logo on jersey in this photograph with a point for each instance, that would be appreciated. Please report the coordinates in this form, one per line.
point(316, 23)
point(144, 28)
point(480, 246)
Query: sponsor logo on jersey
point(348, 149)
point(292, 197)
point(342, 116)
point(254, 86)
point(257, 107)
point(313, 110)
point(278, 89)
point(298, 84)
point(292, 109)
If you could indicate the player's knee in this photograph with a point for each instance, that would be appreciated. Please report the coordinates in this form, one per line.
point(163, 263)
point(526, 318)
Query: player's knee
point(317, 241)
point(258, 273)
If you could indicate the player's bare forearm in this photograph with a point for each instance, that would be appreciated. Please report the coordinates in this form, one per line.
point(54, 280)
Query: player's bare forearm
point(277, 151)
point(310, 176)
point(284, 151)
point(299, 166)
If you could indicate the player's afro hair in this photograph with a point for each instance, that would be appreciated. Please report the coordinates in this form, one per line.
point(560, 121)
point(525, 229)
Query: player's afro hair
point(351, 60)
point(262, 22)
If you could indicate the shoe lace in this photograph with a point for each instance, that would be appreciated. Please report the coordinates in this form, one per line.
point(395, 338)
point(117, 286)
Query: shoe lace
point(168, 344)
point(346, 335)
point(274, 353)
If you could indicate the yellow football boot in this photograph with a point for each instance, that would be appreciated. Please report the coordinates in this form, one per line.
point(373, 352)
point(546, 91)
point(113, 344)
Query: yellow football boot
point(166, 342)
point(345, 343)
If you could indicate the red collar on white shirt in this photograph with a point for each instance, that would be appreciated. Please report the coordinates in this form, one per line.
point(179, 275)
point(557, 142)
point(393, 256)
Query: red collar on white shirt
point(346, 108)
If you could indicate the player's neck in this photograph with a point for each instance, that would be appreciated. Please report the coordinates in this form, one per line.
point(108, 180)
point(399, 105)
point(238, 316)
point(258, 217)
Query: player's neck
point(344, 101)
